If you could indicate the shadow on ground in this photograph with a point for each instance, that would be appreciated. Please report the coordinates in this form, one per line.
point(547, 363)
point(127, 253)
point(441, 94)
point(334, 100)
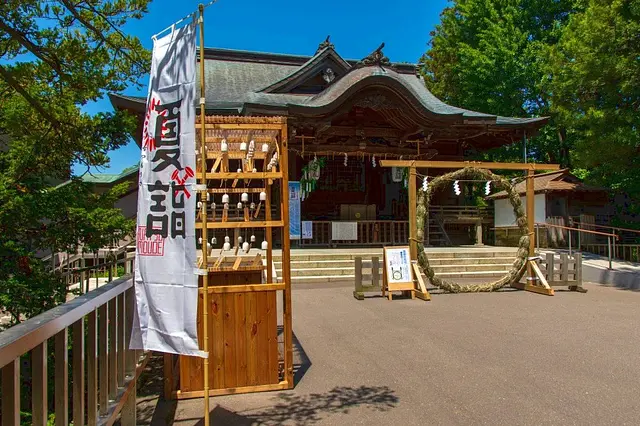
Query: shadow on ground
point(308, 409)
point(153, 409)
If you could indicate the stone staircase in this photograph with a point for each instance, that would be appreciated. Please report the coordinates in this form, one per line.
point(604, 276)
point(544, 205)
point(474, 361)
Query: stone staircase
point(313, 266)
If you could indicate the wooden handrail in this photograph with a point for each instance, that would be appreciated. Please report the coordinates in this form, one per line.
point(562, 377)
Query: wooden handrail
point(25, 336)
point(577, 229)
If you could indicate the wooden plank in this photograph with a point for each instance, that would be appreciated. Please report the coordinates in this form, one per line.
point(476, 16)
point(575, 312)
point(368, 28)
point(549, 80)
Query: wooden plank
point(92, 368)
point(61, 394)
point(11, 393)
point(236, 264)
point(167, 367)
point(538, 274)
point(272, 337)
point(421, 292)
point(375, 271)
point(113, 358)
point(358, 273)
point(240, 340)
point(228, 305)
point(103, 361)
point(251, 331)
point(39, 401)
point(539, 289)
point(262, 337)
point(235, 190)
point(239, 288)
point(217, 346)
point(462, 164)
point(77, 379)
point(241, 175)
point(242, 224)
point(233, 391)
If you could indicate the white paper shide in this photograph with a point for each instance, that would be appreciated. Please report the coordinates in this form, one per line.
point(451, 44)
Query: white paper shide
point(166, 287)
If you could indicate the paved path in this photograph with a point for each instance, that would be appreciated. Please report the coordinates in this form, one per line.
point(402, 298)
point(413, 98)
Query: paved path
point(507, 358)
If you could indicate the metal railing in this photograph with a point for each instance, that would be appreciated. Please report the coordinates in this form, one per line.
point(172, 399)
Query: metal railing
point(627, 246)
point(611, 238)
point(104, 370)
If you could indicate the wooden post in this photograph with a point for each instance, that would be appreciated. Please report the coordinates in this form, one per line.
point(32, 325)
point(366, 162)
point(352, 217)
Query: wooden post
point(413, 228)
point(358, 293)
point(39, 385)
point(61, 378)
point(78, 371)
point(286, 271)
point(564, 268)
point(375, 271)
point(11, 393)
point(551, 275)
point(205, 261)
point(531, 221)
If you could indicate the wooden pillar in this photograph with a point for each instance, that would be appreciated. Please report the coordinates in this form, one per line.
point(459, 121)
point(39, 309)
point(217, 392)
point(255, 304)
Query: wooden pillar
point(531, 218)
point(413, 228)
point(286, 259)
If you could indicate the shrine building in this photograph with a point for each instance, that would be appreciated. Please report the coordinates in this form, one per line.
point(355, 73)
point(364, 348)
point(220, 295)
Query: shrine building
point(343, 117)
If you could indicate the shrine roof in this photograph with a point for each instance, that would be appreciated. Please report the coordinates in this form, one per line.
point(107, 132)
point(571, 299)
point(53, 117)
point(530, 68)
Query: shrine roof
point(561, 180)
point(249, 83)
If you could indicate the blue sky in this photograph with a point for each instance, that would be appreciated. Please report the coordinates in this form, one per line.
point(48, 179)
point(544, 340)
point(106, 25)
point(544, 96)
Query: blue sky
point(286, 26)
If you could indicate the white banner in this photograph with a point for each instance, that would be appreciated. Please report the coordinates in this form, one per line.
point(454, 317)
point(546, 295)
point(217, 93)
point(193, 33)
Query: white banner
point(166, 287)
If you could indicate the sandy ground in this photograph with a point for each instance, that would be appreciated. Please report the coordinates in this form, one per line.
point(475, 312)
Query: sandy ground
point(506, 358)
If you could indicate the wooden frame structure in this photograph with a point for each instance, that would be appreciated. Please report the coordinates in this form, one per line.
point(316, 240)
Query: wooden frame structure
point(536, 280)
point(239, 287)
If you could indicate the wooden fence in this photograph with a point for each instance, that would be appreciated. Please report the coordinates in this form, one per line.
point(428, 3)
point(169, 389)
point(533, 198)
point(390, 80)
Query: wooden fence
point(104, 370)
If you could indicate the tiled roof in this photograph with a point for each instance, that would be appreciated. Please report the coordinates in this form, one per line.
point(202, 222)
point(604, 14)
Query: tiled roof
point(236, 79)
point(552, 181)
point(108, 178)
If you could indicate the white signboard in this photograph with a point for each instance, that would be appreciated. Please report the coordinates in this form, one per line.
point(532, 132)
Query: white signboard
point(166, 286)
point(344, 231)
point(398, 265)
point(307, 230)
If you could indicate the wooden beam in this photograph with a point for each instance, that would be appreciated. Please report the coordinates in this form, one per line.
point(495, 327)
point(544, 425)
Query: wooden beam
point(243, 224)
point(531, 221)
point(413, 226)
point(242, 175)
point(463, 164)
point(368, 131)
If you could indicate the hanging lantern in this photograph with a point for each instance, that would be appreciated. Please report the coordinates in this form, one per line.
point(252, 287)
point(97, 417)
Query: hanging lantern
point(265, 147)
point(227, 239)
point(252, 206)
point(265, 245)
point(254, 170)
point(214, 241)
point(225, 198)
point(244, 197)
point(239, 206)
point(223, 146)
point(263, 196)
point(200, 240)
point(208, 197)
point(245, 247)
point(253, 238)
point(226, 247)
point(199, 204)
point(243, 146)
point(239, 170)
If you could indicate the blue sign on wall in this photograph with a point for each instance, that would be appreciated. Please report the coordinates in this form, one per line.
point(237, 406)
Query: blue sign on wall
point(294, 211)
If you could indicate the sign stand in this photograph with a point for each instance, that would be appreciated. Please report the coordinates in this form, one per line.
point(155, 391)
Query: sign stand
point(397, 271)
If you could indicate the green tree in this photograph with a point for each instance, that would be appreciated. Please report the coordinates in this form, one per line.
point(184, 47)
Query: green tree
point(488, 55)
point(55, 57)
point(594, 79)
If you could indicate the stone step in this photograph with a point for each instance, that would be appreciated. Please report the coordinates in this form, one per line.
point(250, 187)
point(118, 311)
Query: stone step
point(475, 274)
point(319, 264)
point(328, 256)
point(470, 260)
point(472, 268)
point(323, 279)
point(445, 254)
point(318, 272)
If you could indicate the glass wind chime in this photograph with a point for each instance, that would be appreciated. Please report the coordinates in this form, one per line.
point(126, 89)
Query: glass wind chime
point(245, 205)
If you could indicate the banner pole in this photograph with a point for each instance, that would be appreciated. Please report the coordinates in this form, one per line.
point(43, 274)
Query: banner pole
point(203, 215)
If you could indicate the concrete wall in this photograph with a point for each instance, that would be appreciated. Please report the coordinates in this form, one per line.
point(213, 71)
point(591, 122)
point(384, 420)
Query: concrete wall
point(504, 211)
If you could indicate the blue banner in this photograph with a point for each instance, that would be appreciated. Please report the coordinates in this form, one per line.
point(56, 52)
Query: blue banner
point(294, 211)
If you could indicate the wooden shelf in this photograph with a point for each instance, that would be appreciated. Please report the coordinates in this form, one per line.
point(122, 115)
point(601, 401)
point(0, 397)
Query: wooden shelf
point(242, 288)
point(249, 224)
point(243, 175)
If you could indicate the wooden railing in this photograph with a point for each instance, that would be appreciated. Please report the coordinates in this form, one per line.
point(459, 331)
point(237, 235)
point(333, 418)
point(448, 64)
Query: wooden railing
point(461, 211)
point(370, 233)
point(104, 370)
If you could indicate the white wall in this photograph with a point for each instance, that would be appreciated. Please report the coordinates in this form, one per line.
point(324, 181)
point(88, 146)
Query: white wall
point(504, 211)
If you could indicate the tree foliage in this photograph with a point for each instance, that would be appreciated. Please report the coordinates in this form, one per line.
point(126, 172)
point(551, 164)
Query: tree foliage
point(594, 81)
point(487, 55)
point(55, 57)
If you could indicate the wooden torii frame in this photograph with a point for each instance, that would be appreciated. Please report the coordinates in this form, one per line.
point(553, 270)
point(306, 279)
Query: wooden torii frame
point(533, 271)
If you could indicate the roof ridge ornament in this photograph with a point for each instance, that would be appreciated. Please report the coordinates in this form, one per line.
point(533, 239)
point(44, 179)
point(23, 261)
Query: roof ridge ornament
point(325, 44)
point(375, 58)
